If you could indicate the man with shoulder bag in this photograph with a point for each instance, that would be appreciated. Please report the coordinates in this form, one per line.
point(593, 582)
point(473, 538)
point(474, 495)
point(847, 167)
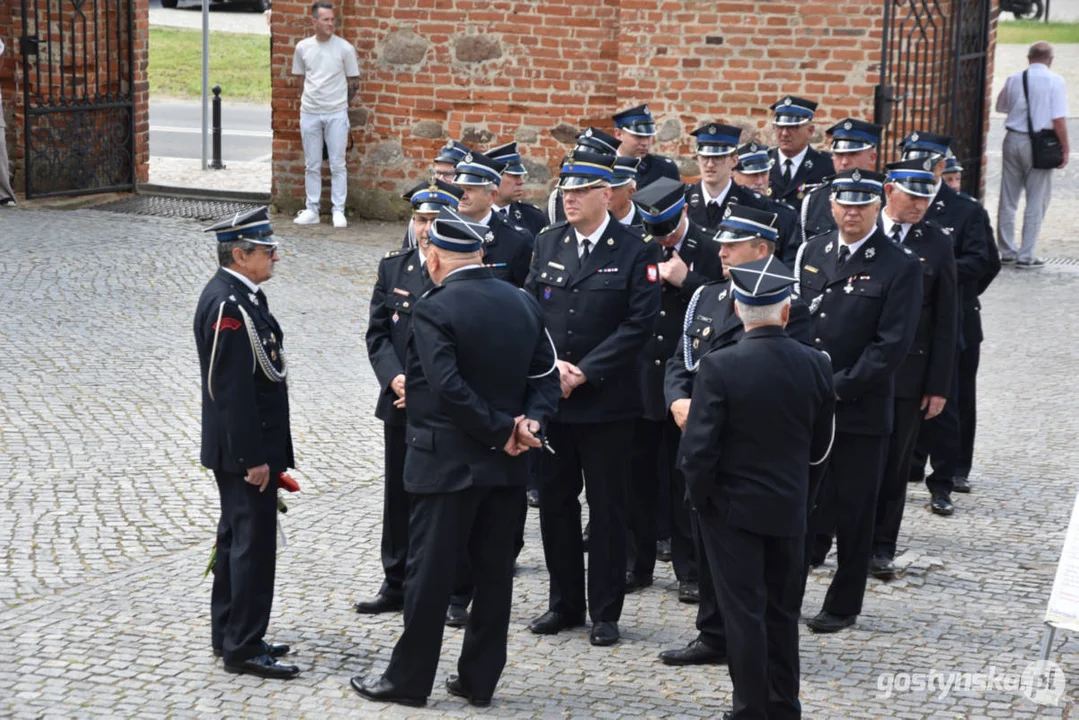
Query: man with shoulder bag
point(1036, 143)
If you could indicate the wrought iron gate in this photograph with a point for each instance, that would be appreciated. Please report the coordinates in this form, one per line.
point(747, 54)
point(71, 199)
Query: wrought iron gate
point(933, 74)
point(78, 77)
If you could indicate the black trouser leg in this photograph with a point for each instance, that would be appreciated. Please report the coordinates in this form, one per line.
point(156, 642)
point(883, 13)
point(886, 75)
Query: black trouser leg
point(648, 455)
point(710, 628)
point(684, 556)
point(782, 577)
point(969, 360)
point(483, 652)
point(892, 497)
point(850, 489)
point(250, 521)
point(395, 507)
point(439, 528)
point(560, 520)
point(737, 560)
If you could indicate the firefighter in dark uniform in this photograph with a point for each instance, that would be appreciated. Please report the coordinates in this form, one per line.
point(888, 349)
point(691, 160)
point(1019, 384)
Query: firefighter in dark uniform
point(444, 168)
point(598, 284)
point(924, 379)
point(854, 145)
point(746, 235)
point(246, 440)
point(751, 173)
point(690, 259)
point(717, 146)
point(797, 165)
point(764, 392)
point(865, 295)
point(401, 281)
point(507, 247)
point(623, 185)
point(636, 130)
point(590, 140)
point(510, 204)
point(939, 438)
point(970, 355)
point(481, 383)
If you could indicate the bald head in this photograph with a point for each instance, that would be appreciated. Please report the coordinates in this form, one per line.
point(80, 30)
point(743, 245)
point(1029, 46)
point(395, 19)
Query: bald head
point(1040, 52)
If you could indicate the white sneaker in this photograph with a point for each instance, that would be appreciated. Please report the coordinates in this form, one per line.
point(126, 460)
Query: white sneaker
point(306, 217)
point(339, 220)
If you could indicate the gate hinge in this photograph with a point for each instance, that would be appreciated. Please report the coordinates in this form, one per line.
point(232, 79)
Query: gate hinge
point(28, 45)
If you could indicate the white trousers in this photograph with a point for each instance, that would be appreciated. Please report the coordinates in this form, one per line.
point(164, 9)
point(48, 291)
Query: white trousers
point(331, 129)
point(1019, 176)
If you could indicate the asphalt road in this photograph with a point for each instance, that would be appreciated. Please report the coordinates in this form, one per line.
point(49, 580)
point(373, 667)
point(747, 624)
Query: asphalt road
point(234, 17)
point(176, 131)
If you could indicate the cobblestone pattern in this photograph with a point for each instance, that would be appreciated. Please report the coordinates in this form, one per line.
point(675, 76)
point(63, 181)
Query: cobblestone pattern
point(107, 519)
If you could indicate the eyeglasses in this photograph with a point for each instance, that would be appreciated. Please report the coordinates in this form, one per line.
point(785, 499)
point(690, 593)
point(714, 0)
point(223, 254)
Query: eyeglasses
point(447, 175)
point(270, 250)
point(712, 159)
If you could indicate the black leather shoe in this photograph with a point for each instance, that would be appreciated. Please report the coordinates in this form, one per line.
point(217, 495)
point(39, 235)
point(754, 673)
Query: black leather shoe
point(454, 686)
point(696, 653)
point(941, 504)
point(382, 691)
point(456, 616)
point(533, 498)
point(552, 622)
point(263, 666)
point(379, 604)
point(960, 484)
point(882, 568)
point(663, 550)
point(689, 592)
point(826, 622)
point(635, 582)
point(604, 633)
point(276, 650)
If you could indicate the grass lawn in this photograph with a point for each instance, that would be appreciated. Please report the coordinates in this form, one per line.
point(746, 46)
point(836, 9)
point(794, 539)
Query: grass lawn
point(240, 64)
point(1025, 32)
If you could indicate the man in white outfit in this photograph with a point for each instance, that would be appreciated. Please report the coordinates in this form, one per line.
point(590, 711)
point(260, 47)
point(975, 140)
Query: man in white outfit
point(331, 77)
point(7, 195)
point(1048, 110)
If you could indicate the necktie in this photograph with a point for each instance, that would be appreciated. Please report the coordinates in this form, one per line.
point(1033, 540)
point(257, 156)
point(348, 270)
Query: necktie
point(262, 299)
point(668, 252)
point(504, 212)
point(585, 248)
point(897, 233)
point(787, 170)
point(713, 214)
point(844, 253)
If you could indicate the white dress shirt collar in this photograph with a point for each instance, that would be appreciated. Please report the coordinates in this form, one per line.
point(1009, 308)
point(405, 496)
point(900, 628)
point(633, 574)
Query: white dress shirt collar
point(246, 281)
point(853, 247)
point(719, 198)
point(594, 237)
point(887, 223)
point(796, 161)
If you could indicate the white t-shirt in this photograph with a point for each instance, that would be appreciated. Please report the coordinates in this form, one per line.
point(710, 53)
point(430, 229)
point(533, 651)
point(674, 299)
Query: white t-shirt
point(326, 67)
point(1048, 99)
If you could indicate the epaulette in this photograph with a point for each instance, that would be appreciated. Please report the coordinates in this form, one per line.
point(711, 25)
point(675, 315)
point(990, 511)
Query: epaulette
point(395, 253)
point(554, 226)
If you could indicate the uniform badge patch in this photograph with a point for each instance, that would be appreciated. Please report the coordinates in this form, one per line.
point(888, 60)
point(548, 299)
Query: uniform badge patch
point(254, 300)
point(401, 291)
point(828, 247)
point(227, 323)
point(809, 164)
point(869, 253)
point(547, 293)
point(722, 296)
point(395, 317)
point(653, 273)
point(694, 200)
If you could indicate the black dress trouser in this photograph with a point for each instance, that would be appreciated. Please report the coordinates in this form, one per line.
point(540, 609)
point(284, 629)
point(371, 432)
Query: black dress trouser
point(242, 595)
point(892, 498)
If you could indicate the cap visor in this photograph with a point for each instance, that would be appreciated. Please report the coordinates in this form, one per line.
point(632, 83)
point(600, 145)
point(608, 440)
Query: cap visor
point(854, 197)
point(664, 228)
point(729, 235)
point(849, 146)
point(431, 207)
point(920, 189)
point(919, 153)
point(469, 179)
point(755, 167)
point(790, 120)
point(640, 129)
point(715, 150)
point(574, 182)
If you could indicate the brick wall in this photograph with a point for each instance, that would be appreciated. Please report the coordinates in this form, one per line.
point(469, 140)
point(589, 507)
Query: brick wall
point(88, 62)
point(488, 71)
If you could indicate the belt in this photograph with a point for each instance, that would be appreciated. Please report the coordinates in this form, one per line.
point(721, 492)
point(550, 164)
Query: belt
point(1023, 132)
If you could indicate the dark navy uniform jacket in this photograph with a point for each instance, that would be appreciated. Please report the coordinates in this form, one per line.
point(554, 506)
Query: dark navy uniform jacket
point(507, 250)
point(764, 392)
point(864, 316)
point(526, 215)
point(245, 413)
point(816, 166)
point(600, 315)
point(476, 344)
point(701, 254)
point(653, 167)
point(787, 219)
point(713, 325)
point(929, 366)
point(816, 212)
point(965, 219)
point(401, 282)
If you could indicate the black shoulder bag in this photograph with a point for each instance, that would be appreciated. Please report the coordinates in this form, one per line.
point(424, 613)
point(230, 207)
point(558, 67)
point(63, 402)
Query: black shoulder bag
point(1045, 145)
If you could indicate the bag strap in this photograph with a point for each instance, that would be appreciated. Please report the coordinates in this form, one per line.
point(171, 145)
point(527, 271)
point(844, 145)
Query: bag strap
point(1026, 96)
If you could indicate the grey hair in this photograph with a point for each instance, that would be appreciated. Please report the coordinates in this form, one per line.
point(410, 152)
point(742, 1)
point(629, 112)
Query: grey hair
point(320, 5)
point(762, 314)
point(224, 250)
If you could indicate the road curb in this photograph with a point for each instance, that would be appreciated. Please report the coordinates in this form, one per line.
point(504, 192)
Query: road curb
point(191, 193)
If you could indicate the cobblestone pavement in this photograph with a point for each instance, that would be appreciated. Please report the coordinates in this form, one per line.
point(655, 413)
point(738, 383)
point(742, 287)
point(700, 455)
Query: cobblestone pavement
point(107, 518)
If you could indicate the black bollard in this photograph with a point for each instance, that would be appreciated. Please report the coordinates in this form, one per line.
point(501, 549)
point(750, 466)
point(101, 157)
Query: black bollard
point(217, 164)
